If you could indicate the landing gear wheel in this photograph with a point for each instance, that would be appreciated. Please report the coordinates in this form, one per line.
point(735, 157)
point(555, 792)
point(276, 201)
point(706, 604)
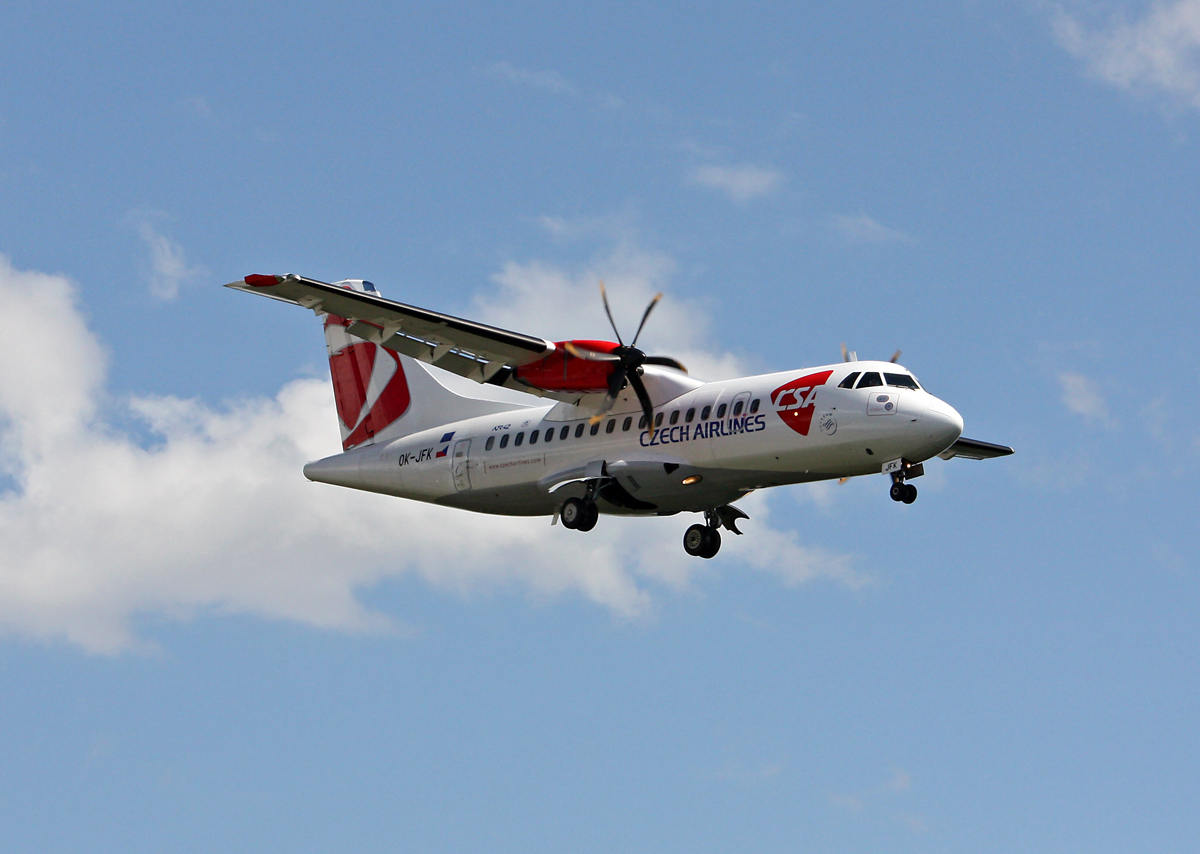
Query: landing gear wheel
point(910, 493)
point(591, 513)
point(701, 541)
point(572, 513)
point(899, 491)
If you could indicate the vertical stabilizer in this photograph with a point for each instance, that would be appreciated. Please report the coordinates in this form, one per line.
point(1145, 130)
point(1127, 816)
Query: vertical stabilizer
point(383, 395)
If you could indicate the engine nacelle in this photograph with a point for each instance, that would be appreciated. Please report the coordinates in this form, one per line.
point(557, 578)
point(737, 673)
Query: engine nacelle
point(560, 371)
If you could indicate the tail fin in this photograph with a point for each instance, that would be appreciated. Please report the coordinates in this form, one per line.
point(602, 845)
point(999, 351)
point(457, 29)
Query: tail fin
point(383, 395)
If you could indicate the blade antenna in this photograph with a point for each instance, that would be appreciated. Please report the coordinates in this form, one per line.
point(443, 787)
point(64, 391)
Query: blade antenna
point(649, 309)
point(895, 356)
point(604, 297)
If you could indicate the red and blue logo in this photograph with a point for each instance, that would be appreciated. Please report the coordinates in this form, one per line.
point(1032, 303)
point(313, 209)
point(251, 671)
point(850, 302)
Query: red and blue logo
point(446, 449)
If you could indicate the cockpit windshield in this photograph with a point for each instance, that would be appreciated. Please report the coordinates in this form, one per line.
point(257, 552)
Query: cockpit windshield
point(902, 381)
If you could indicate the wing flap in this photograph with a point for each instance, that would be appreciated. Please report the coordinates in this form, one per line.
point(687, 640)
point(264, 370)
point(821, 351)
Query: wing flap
point(973, 449)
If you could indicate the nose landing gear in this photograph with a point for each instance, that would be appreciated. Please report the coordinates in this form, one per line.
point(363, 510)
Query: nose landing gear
point(899, 470)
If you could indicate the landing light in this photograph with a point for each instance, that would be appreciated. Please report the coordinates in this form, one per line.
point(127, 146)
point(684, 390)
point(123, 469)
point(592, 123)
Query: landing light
point(688, 481)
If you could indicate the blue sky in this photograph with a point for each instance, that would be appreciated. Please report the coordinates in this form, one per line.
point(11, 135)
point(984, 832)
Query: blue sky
point(200, 651)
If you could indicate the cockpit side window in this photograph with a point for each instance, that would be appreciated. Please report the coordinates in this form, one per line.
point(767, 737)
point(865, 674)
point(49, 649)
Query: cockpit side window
point(848, 382)
point(869, 380)
point(901, 381)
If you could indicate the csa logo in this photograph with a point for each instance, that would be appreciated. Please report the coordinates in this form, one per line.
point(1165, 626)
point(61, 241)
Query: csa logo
point(795, 401)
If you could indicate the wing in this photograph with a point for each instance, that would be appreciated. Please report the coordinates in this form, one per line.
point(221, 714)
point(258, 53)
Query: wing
point(973, 449)
point(486, 354)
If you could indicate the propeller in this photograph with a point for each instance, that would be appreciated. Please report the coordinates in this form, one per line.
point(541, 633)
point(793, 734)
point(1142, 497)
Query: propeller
point(628, 361)
point(851, 356)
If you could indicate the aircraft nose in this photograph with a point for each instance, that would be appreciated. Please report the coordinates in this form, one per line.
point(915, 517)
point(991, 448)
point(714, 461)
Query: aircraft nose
point(943, 424)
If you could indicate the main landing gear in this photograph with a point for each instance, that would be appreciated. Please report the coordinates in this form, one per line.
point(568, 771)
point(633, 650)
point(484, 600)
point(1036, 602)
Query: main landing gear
point(579, 514)
point(702, 541)
point(705, 540)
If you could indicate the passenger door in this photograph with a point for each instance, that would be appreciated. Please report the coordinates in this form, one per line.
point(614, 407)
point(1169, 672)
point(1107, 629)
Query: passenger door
point(460, 464)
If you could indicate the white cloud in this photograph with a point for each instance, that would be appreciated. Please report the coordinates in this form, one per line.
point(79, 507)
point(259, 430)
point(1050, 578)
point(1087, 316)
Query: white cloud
point(1082, 396)
point(216, 517)
point(862, 229)
point(741, 183)
point(546, 81)
point(167, 268)
point(1156, 53)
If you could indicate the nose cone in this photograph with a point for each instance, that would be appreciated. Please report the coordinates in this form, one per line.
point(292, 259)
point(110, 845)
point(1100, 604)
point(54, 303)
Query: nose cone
point(943, 425)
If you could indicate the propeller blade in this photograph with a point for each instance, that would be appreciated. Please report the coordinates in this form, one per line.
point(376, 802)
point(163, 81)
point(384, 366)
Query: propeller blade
point(644, 399)
point(845, 353)
point(616, 382)
point(665, 361)
point(590, 355)
point(649, 309)
point(895, 356)
point(613, 323)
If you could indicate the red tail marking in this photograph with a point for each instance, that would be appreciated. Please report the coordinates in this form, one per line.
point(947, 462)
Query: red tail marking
point(256, 280)
point(351, 368)
point(392, 403)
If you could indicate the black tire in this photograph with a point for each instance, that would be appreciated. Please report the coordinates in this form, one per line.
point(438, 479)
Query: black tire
point(712, 543)
point(910, 493)
point(898, 491)
point(591, 513)
point(572, 513)
point(694, 540)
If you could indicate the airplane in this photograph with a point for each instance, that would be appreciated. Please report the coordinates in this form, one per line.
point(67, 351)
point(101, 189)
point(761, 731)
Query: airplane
point(616, 431)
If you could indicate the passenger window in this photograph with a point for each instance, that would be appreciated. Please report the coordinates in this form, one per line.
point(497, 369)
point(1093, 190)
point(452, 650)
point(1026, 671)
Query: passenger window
point(563, 433)
point(721, 411)
point(704, 413)
point(520, 438)
point(754, 405)
point(737, 409)
point(691, 413)
point(848, 382)
point(595, 429)
point(642, 423)
point(612, 425)
point(533, 437)
point(579, 430)
point(628, 423)
point(675, 417)
point(504, 441)
point(869, 380)
point(658, 420)
point(901, 381)
point(490, 442)
point(548, 436)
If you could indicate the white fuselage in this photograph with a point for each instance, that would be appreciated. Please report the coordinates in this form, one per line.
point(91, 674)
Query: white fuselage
point(723, 438)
